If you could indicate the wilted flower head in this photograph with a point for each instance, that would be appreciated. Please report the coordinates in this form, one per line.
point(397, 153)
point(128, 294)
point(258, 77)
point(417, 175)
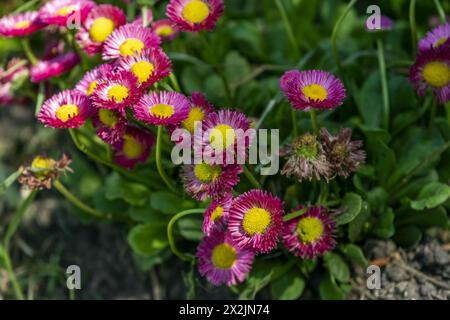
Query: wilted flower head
point(306, 159)
point(344, 155)
point(42, 171)
point(195, 15)
point(22, 24)
point(435, 38)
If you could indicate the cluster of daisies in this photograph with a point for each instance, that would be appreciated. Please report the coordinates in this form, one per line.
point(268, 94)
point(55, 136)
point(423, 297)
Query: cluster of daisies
point(431, 70)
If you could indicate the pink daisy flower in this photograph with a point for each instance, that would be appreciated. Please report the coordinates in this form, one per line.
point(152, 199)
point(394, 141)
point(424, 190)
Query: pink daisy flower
point(204, 180)
point(432, 71)
point(62, 12)
point(20, 25)
point(255, 220)
point(165, 29)
point(149, 66)
point(90, 80)
point(66, 109)
point(162, 108)
point(310, 234)
point(221, 261)
point(54, 67)
point(110, 125)
point(435, 37)
point(116, 91)
point(99, 24)
point(216, 216)
point(195, 15)
point(133, 147)
point(129, 40)
point(315, 89)
point(225, 137)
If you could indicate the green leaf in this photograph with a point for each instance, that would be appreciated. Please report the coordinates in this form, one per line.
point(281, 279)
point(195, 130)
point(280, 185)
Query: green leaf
point(329, 290)
point(9, 181)
point(425, 219)
point(146, 214)
point(147, 239)
point(337, 266)
point(354, 253)
point(169, 203)
point(145, 263)
point(384, 226)
point(352, 203)
point(431, 196)
point(191, 228)
point(287, 287)
point(355, 228)
point(117, 188)
point(408, 236)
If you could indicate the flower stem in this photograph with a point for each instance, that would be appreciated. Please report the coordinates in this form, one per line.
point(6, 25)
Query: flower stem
point(11, 275)
point(174, 81)
point(170, 237)
point(29, 53)
point(294, 123)
point(294, 214)
point(251, 178)
point(78, 203)
point(40, 98)
point(144, 16)
point(432, 114)
point(413, 26)
point(447, 111)
point(159, 165)
point(336, 31)
point(441, 11)
point(131, 10)
point(384, 83)
point(314, 122)
point(288, 27)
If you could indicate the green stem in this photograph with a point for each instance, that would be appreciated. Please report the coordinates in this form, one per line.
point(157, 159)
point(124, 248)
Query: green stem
point(314, 123)
point(441, 11)
point(336, 31)
point(174, 81)
point(40, 98)
point(131, 10)
point(78, 203)
point(447, 111)
point(294, 122)
point(413, 26)
point(72, 42)
point(159, 165)
point(384, 83)
point(144, 16)
point(294, 214)
point(288, 27)
point(432, 114)
point(170, 236)
point(29, 53)
point(12, 276)
point(251, 178)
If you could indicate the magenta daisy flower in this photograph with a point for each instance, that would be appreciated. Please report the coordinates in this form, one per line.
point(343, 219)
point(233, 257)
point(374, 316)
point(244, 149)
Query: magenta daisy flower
point(225, 137)
point(54, 67)
point(99, 24)
point(195, 15)
point(60, 12)
point(149, 66)
point(165, 29)
point(90, 80)
point(315, 89)
point(20, 25)
point(310, 234)
point(435, 37)
point(255, 220)
point(133, 147)
point(110, 125)
point(216, 216)
point(162, 108)
point(221, 261)
point(128, 40)
point(432, 71)
point(386, 24)
point(204, 180)
point(116, 91)
point(66, 109)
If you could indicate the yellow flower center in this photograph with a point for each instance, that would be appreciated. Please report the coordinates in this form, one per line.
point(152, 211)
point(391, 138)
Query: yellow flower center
point(436, 74)
point(195, 114)
point(206, 172)
point(439, 42)
point(195, 11)
point(222, 137)
point(217, 213)
point(22, 24)
point(143, 70)
point(118, 92)
point(131, 147)
point(64, 11)
point(256, 220)
point(309, 229)
point(66, 112)
point(42, 165)
point(101, 29)
point(91, 88)
point(315, 92)
point(162, 111)
point(164, 31)
point(223, 256)
point(130, 46)
point(107, 117)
